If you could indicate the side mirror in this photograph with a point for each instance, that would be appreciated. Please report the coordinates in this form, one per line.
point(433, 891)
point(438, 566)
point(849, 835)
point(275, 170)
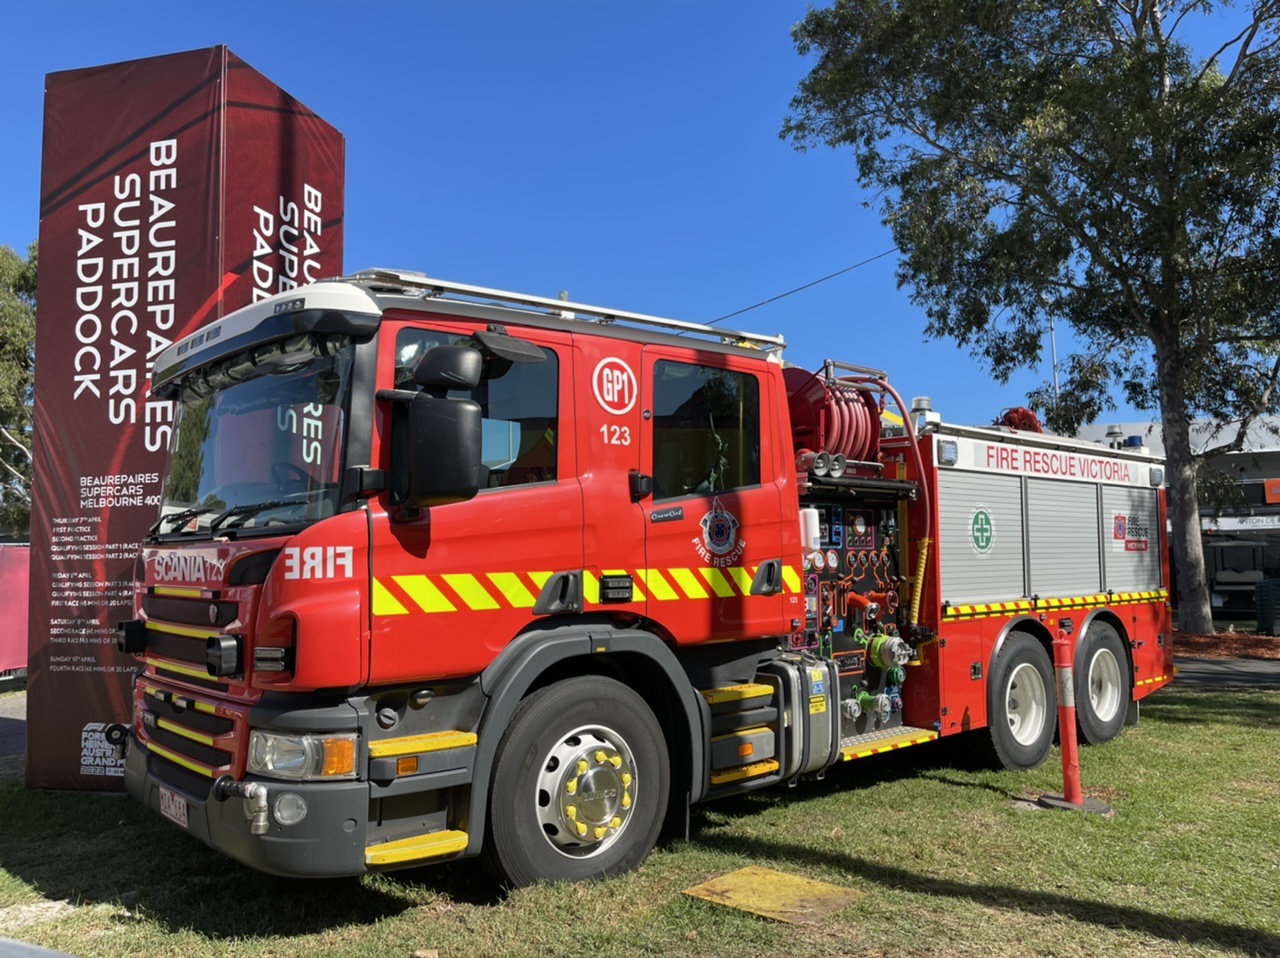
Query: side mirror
point(449, 367)
point(444, 447)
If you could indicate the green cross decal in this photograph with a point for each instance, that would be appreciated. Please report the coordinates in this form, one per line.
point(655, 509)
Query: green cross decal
point(983, 531)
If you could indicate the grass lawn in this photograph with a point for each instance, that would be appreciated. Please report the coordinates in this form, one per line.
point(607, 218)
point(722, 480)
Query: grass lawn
point(1190, 865)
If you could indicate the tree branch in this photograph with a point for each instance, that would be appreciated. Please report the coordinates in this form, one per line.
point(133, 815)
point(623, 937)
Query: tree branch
point(21, 479)
point(9, 436)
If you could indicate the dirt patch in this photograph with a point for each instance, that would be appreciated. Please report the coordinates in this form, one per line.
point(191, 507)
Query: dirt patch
point(1226, 645)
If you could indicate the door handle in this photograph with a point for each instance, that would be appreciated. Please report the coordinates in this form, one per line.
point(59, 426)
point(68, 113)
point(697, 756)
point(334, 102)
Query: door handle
point(768, 578)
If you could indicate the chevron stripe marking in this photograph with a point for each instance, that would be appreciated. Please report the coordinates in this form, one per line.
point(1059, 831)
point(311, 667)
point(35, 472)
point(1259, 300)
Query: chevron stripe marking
point(659, 587)
point(742, 578)
point(791, 579)
point(719, 584)
point(470, 591)
point(689, 584)
point(425, 594)
point(512, 589)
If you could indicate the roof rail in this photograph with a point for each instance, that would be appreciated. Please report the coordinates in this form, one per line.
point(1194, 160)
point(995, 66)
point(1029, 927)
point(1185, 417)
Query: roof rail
point(408, 281)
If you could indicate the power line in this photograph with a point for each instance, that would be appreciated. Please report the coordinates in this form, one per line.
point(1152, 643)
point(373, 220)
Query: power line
point(790, 292)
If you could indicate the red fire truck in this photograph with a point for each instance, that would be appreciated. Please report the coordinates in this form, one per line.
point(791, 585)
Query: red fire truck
point(444, 571)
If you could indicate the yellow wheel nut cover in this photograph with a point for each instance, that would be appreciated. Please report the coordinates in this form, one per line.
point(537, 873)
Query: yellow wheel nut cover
point(581, 828)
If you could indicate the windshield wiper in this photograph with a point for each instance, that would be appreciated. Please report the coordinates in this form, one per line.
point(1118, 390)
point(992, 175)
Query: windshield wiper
point(179, 517)
point(249, 509)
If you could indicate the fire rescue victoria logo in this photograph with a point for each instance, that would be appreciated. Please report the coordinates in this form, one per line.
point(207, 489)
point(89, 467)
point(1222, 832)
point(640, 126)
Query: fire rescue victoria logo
point(720, 544)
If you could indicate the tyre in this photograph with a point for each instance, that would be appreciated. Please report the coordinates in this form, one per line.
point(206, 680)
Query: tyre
point(1103, 684)
point(580, 785)
point(1022, 703)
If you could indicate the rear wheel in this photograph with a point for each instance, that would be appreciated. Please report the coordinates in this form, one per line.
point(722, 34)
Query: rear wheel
point(1103, 684)
point(1022, 703)
point(580, 785)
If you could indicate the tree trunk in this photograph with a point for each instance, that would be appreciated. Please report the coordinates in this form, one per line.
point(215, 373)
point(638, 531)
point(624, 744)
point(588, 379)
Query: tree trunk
point(1194, 613)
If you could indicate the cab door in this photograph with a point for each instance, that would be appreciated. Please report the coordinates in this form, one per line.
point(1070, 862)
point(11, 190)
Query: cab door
point(453, 584)
point(713, 520)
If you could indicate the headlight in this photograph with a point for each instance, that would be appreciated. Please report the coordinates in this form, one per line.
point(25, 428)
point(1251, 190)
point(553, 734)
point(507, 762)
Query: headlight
point(303, 758)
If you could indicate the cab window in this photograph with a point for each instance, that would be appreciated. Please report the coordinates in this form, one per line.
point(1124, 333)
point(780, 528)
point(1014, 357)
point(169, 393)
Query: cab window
point(518, 405)
point(706, 430)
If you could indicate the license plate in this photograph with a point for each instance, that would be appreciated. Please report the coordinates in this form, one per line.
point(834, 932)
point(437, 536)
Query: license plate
point(173, 806)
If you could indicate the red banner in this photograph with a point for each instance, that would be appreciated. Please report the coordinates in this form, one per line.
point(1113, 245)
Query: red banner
point(174, 190)
point(14, 566)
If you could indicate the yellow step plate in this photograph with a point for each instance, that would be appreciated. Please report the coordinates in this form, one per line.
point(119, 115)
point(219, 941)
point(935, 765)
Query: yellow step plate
point(737, 693)
point(727, 775)
point(416, 848)
point(912, 737)
point(417, 744)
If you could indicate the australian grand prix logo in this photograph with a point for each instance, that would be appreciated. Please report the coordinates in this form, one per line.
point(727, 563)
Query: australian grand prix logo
point(720, 545)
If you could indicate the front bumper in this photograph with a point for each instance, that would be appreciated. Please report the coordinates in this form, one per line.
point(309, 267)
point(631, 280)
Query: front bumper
point(328, 842)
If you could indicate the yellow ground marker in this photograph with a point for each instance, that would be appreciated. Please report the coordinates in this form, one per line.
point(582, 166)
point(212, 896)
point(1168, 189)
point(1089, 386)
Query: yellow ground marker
point(776, 895)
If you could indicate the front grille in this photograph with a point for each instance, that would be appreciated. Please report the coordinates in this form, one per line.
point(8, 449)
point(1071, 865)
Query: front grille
point(197, 737)
point(189, 611)
point(179, 648)
point(178, 631)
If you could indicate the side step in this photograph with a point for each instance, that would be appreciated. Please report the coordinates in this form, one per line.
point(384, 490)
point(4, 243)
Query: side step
point(886, 740)
point(416, 848)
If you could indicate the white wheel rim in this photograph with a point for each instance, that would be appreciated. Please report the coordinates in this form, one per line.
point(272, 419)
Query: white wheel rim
point(585, 791)
point(1104, 685)
point(1026, 704)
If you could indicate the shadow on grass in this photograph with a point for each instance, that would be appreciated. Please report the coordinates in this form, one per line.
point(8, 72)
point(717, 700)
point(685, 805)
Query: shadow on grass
point(92, 849)
point(1251, 708)
point(1031, 901)
point(958, 753)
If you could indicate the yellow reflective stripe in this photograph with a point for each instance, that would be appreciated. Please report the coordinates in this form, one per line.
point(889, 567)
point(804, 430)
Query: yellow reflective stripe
point(179, 591)
point(424, 593)
point(180, 669)
point(183, 630)
point(791, 578)
point(384, 603)
point(417, 744)
point(689, 584)
point(719, 584)
point(590, 588)
point(184, 732)
point(470, 591)
point(659, 588)
point(178, 759)
point(540, 578)
point(742, 577)
point(513, 590)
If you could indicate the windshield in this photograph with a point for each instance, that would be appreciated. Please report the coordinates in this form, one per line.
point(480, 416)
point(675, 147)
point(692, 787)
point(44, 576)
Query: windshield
point(258, 439)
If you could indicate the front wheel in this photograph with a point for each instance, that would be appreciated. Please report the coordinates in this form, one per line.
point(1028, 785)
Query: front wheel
point(580, 785)
point(1022, 703)
point(1102, 684)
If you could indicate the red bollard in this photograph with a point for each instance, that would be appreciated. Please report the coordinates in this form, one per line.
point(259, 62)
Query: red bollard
point(1071, 790)
point(1072, 797)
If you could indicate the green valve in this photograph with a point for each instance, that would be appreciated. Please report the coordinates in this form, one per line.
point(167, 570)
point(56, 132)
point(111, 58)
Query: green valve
point(866, 700)
point(859, 637)
point(896, 675)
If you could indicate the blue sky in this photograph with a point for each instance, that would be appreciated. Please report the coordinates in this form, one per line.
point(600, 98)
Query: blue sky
point(627, 153)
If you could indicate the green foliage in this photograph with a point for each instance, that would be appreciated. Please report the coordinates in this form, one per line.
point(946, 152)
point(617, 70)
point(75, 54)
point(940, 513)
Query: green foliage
point(17, 363)
point(1057, 161)
point(1075, 161)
